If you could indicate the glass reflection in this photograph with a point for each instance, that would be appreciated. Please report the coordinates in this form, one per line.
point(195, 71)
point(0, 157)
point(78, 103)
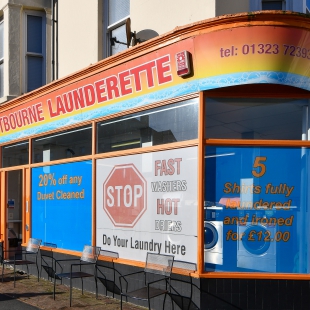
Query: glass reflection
point(15, 154)
point(176, 122)
point(257, 209)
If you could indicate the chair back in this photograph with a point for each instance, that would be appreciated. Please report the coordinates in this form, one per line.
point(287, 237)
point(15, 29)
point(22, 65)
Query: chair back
point(109, 254)
point(33, 245)
point(185, 267)
point(90, 254)
point(182, 294)
point(159, 264)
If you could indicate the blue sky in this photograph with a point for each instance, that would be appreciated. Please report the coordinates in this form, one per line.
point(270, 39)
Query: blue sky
point(308, 3)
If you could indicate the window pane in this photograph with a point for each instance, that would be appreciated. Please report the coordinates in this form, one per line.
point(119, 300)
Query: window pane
point(177, 122)
point(34, 72)
point(272, 5)
point(256, 209)
point(1, 80)
point(34, 34)
point(61, 204)
point(120, 35)
point(15, 154)
point(65, 144)
point(118, 9)
point(268, 119)
point(1, 40)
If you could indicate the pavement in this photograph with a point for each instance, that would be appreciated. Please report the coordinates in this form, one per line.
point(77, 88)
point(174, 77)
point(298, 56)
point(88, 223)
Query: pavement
point(29, 294)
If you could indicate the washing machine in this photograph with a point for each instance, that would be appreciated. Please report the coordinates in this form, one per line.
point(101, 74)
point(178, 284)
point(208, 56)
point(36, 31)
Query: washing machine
point(213, 235)
point(256, 247)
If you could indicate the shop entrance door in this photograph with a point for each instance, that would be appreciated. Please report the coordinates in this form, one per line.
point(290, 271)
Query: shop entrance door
point(14, 180)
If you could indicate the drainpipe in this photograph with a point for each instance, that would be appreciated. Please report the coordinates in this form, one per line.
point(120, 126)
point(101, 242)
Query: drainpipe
point(54, 40)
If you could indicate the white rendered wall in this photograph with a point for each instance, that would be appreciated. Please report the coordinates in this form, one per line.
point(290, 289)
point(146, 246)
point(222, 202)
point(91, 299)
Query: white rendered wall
point(79, 32)
point(162, 16)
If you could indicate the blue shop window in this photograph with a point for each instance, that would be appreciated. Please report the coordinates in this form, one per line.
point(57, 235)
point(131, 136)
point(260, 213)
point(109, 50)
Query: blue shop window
point(62, 204)
point(257, 209)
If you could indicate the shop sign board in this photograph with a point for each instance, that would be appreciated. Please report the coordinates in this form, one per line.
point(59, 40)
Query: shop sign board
point(148, 203)
point(228, 57)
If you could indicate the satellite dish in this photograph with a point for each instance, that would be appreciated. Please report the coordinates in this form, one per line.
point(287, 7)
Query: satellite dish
point(128, 31)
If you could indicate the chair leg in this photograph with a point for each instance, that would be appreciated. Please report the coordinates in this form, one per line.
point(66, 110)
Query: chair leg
point(54, 285)
point(70, 290)
point(149, 302)
point(14, 273)
point(2, 271)
point(121, 301)
point(96, 287)
point(27, 271)
point(164, 301)
point(82, 286)
point(38, 272)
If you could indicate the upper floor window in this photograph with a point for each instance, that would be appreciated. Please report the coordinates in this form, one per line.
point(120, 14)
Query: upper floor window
point(1, 55)
point(273, 5)
point(34, 50)
point(116, 12)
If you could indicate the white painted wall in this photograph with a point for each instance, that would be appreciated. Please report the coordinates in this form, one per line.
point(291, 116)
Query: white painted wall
point(162, 16)
point(79, 33)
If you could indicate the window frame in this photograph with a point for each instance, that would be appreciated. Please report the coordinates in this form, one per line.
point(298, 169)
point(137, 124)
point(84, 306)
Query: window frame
point(122, 119)
point(108, 28)
point(32, 54)
point(284, 4)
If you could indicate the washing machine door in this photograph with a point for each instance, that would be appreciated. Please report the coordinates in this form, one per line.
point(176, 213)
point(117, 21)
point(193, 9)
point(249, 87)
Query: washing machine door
point(253, 240)
point(211, 236)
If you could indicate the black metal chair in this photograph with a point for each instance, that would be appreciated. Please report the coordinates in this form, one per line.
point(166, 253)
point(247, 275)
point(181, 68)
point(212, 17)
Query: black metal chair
point(89, 257)
point(182, 286)
point(107, 274)
point(48, 262)
point(157, 269)
point(22, 257)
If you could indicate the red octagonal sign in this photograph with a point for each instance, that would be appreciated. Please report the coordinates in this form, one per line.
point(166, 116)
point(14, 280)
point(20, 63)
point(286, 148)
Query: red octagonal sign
point(124, 195)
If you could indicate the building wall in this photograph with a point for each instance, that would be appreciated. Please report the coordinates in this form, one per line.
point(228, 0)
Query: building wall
point(208, 58)
point(79, 35)
point(14, 43)
point(166, 15)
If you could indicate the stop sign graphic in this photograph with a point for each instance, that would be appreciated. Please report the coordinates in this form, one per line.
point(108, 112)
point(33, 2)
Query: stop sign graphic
point(124, 195)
